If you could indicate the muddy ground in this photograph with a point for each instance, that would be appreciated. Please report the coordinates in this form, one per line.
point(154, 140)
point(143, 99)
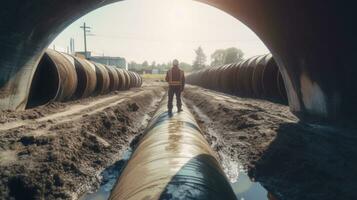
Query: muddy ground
point(291, 159)
point(57, 151)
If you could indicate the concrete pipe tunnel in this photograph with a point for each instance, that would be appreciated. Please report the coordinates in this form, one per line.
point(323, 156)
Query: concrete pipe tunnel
point(313, 43)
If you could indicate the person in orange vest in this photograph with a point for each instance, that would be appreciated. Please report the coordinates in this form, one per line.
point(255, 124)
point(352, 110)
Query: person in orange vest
point(176, 79)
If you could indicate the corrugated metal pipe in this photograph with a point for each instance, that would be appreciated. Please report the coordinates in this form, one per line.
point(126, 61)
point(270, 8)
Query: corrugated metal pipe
point(256, 77)
point(173, 161)
point(63, 77)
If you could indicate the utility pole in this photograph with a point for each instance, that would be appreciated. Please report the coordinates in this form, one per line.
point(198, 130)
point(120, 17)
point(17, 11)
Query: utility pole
point(86, 29)
point(71, 46)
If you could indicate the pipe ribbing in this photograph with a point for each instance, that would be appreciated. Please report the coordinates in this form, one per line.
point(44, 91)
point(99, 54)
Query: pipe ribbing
point(103, 79)
point(114, 79)
point(173, 160)
point(256, 77)
point(61, 77)
point(55, 79)
point(87, 78)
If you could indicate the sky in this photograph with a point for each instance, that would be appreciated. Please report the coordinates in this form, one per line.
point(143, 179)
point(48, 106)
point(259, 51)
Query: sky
point(160, 30)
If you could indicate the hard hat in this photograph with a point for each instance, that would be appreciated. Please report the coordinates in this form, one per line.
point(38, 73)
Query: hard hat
point(175, 62)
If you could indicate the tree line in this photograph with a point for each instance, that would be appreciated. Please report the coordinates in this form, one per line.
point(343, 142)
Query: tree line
point(218, 58)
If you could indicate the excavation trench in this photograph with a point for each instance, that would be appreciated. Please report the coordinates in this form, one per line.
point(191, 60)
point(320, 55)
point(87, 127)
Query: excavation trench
point(58, 151)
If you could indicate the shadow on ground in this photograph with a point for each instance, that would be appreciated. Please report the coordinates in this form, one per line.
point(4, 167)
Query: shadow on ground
point(307, 161)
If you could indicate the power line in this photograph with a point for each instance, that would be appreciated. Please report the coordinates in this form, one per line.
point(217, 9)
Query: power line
point(168, 40)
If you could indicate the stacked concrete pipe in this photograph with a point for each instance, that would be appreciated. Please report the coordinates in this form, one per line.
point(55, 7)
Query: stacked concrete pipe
point(173, 161)
point(63, 77)
point(256, 77)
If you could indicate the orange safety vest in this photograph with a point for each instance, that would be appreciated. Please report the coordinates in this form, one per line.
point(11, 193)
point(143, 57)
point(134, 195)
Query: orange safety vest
point(176, 82)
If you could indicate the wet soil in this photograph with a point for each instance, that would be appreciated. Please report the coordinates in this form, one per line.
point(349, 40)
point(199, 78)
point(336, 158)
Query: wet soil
point(290, 158)
point(57, 151)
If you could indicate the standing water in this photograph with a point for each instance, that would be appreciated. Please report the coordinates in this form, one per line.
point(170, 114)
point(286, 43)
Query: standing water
point(243, 186)
point(109, 177)
point(245, 189)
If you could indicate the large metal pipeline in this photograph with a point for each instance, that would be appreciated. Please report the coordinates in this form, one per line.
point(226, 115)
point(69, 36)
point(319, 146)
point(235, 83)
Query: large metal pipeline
point(127, 80)
point(173, 161)
point(256, 77)
point(133, 80)
point(114, 79)
point(103, 80)
point(87, 78)
point(123, 80)
point(62, 77)
point(55, 80)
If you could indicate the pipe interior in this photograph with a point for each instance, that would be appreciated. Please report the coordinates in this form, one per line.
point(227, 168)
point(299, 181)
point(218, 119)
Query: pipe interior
point(45, 83)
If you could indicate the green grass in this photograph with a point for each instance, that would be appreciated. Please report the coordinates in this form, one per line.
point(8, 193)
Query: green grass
point(154, 76)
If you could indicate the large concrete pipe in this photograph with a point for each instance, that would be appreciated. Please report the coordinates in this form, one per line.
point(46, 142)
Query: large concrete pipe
point(257, 77)
point(55, 80)
point(103, 79)
point(238, 81)
point(61, 77)
point(225, 78)
point(173, 161)
point(123, 80)
point(139, 80)
point(136, 79)
point(40, 93)
point(214, 74)
point(126, 86)
point(133, 79)
point(87, 78)
point(246, 73)
point(114, 79)
point(269, 80)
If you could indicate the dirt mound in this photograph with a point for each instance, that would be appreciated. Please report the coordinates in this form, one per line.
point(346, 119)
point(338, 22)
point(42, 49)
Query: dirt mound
point(59, 156)
point(291, 159)
point(243, 128)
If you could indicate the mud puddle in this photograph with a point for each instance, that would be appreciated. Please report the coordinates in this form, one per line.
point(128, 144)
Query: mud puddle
point(243, 186)
point(108, 179)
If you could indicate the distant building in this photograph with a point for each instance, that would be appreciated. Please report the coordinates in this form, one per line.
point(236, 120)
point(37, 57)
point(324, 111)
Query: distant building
point(106, 60)
point(155, 71)
point(113, 61)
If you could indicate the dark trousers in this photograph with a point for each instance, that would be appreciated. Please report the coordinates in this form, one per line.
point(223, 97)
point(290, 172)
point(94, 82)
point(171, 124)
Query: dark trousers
point(174, 90)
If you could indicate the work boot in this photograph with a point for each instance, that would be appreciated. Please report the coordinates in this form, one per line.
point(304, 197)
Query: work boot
point(169, 112)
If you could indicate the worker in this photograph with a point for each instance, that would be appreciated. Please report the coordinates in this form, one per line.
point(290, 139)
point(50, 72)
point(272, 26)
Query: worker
point(176, 79)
